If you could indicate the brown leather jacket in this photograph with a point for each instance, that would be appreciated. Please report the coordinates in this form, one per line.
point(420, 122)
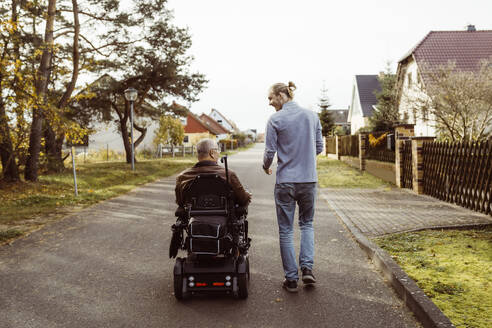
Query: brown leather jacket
point(243, 197)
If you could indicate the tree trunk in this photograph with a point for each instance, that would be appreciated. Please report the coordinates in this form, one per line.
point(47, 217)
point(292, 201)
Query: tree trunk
point(10, 171)
point(53, 151)
point(31, 171)
point(54, 142)
point(125, 134)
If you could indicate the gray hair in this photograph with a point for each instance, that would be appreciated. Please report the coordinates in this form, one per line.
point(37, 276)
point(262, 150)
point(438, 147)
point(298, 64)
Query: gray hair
point(204, 146)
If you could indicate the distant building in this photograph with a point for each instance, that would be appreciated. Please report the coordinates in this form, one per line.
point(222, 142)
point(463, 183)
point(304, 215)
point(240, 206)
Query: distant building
point(251, 134)
point(222, 120)
point(195, 130)
point(363, 101)
point(216, 127)
point(340, 117)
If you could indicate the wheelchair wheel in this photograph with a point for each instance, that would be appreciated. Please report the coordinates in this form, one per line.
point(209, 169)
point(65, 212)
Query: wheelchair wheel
point(179, 281)
point(247, 269)
point(178, 286)
point(242, 282)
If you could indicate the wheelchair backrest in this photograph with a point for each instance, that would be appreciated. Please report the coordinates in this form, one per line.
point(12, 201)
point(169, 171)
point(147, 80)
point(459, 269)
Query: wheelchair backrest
point(208, 194)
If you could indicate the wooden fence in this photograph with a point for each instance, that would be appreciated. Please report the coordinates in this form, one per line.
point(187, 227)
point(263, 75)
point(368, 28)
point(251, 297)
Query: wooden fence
point(459, 173)
point(407, 165)
point(331, 145)
point(349, 145)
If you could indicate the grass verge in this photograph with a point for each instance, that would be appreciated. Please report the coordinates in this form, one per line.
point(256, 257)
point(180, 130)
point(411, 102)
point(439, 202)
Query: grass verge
point(26, 206)
point(453, 267)
point(336, 174)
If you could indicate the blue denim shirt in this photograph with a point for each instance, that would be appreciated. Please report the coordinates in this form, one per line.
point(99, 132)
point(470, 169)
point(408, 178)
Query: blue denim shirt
point(294, 133)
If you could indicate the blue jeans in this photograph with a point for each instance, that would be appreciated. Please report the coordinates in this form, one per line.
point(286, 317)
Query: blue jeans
point(286, 196)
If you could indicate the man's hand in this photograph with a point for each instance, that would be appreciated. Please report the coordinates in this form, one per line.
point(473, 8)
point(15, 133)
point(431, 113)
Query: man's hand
point(267, 171)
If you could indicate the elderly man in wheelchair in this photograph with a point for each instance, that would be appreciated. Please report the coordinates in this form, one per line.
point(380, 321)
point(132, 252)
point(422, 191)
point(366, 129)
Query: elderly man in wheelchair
point(211, 227)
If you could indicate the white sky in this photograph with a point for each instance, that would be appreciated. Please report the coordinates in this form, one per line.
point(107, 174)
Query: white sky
point(243, 47)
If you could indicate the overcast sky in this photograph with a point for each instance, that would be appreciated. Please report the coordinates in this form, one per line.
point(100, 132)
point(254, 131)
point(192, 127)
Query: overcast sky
point(243, 47)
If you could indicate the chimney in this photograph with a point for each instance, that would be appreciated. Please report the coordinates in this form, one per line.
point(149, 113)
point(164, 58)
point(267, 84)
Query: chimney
point(471, 28)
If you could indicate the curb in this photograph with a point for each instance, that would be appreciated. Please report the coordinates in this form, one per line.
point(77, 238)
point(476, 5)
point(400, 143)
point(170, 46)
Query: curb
point(429, 315)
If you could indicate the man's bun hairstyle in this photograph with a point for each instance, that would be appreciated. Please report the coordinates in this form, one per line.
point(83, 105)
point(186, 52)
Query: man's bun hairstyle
point(287, 89)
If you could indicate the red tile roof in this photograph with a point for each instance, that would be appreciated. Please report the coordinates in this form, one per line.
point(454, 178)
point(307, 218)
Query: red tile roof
point(213, 124)
point(195, 125)
point(466, 48)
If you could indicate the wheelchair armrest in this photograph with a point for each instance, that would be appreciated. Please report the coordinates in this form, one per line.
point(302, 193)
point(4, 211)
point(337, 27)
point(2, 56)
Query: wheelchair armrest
point(180, 212)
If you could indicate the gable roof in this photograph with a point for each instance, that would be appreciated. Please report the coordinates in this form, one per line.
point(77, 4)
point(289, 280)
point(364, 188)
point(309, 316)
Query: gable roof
point(234, 126)
point(340, 116)
point(466, 48)
point(195, 125)
point(366, 86)
point(213, 124)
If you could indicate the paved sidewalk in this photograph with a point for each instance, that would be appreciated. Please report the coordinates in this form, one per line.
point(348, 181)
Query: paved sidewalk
point(381, 211)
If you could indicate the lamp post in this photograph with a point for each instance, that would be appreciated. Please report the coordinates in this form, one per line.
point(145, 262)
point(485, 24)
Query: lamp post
point(131, 95)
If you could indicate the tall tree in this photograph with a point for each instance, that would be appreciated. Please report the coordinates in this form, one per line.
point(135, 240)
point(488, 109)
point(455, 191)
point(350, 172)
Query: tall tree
point(325, 115)
point(54, 134)
point(8, 32)
point(460, 102)
point(157, 66)
point(385, 115)
point(31, 170)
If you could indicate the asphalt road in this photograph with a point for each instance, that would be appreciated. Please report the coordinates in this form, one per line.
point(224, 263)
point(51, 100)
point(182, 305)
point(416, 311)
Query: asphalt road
point(107, 266)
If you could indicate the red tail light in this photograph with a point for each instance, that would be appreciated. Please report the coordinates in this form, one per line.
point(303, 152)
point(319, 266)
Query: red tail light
point(218, 284)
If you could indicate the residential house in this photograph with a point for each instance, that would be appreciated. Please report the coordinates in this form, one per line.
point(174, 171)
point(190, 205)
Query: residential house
point(107, 135)
point(466, 48)
point(340, 118)
point(210, 122)
point(251, 134)
point(195, 130)
point(222, 120)
point(363, 101)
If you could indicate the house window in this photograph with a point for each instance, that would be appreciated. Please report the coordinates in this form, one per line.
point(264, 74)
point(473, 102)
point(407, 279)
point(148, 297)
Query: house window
point(185, 139)
point(409, 79)
point(219, 121)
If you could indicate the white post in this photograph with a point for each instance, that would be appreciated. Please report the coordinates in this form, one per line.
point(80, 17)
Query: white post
point(74, 173)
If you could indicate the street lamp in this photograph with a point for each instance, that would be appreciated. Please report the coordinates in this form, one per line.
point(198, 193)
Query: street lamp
point(131, 95)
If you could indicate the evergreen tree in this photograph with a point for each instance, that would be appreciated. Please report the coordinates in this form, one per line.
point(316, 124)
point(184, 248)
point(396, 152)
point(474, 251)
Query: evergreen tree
point(385, 116)
point(325, 115)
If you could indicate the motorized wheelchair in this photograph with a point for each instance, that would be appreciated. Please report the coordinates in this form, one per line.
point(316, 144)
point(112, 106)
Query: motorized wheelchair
point(213, 230)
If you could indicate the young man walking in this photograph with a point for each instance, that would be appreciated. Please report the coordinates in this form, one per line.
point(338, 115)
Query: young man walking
point(294, 134)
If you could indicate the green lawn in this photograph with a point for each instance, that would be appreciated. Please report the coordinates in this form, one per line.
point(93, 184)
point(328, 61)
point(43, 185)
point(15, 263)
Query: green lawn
point(336, 174)
point(453, 267)
point(27, 206)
